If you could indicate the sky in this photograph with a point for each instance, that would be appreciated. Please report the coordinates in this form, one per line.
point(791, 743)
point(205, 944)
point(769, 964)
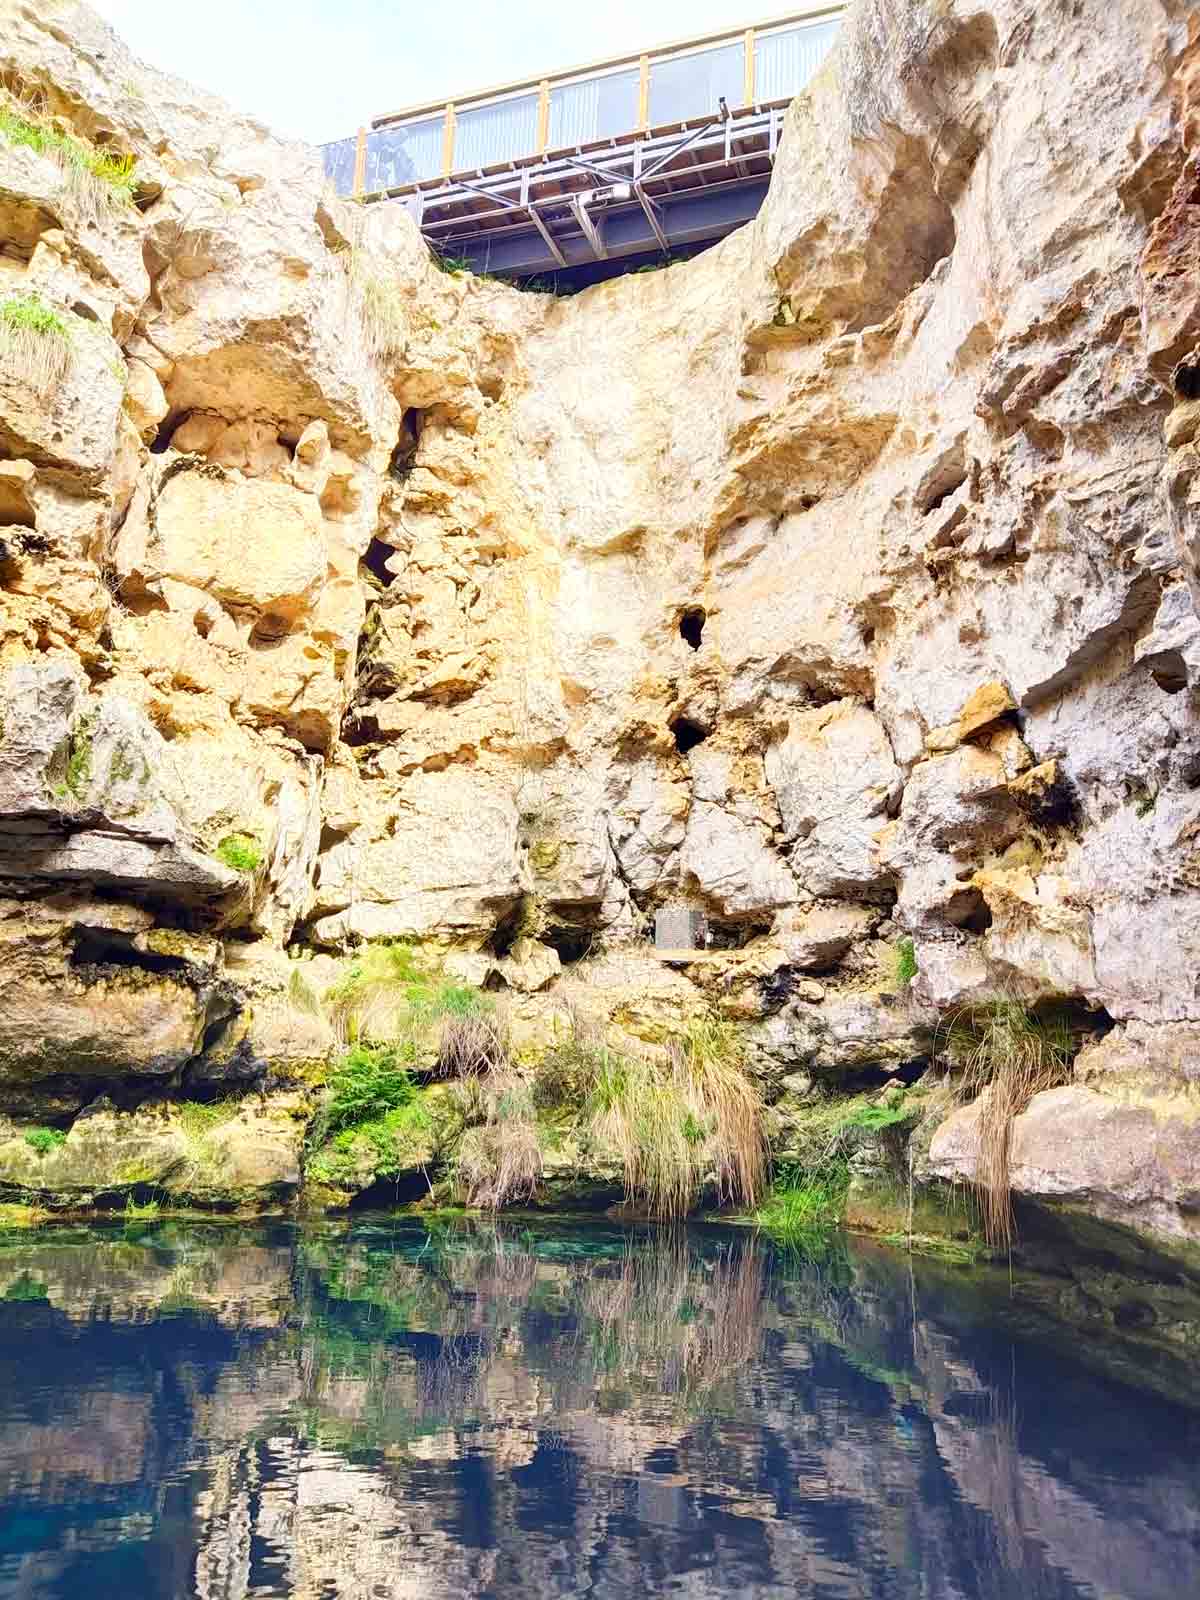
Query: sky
point(316, 69)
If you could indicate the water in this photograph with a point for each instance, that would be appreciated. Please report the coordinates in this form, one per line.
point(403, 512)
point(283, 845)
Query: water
point(377, 1411)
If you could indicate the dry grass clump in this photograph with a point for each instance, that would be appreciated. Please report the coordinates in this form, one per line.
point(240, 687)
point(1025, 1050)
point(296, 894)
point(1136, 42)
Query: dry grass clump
point(35, 341)
point(472, 1044)
point(677, 1121)
point(1005, 1050)
point(499, 1160)
point(378, 308)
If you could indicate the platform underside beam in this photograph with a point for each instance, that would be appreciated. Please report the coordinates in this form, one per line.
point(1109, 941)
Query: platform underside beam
point(655, 193)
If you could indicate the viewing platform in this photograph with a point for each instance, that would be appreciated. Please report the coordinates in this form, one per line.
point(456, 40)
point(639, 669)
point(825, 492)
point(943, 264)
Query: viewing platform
point(650, 153)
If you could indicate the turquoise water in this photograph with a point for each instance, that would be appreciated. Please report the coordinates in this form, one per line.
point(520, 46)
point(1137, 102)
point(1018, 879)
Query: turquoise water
point(378, 1410)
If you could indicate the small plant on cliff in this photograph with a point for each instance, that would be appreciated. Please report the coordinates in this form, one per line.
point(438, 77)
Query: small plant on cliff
point(35, 341)
point(1006, 1056)
point(388, 997)
point(42, 1140)
point(99, 179)
point(367, 1083)
point(240, 851)
point(455, 266)
point(904, 957)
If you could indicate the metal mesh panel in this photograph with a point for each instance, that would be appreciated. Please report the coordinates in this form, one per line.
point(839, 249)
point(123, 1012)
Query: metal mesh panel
point(490, 134)
point(691, 86)
point(784, 62)
point(596, 108)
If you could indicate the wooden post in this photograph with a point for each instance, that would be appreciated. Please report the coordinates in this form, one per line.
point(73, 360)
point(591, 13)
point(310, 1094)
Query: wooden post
point(748, 93)
point(543, 122)
point(448, 141)
point(643, 117)
point(360, 162)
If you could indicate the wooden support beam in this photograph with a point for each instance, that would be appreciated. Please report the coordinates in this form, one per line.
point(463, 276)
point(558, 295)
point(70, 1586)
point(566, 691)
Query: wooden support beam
point(448, 141)
point(543, 122)
point(643, 116)
point(748, 88)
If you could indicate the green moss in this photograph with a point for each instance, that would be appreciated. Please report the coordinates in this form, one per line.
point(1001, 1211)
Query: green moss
point(386, 1141)
point(240, 851)
point(124, 766)
point(77, 760)
point(878, 1118)
point(43, 1140)
point(199, 1117)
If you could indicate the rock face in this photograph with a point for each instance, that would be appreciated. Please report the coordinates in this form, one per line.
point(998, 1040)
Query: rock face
point(840, 582)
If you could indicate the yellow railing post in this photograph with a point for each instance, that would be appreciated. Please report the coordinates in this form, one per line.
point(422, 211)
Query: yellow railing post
point(543, 122)
point(448, 141)
point(360, 162)
point(643, 120)
point(748, 99)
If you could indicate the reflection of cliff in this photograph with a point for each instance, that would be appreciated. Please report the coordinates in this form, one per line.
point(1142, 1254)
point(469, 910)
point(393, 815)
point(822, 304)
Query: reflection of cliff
point(496, 1412)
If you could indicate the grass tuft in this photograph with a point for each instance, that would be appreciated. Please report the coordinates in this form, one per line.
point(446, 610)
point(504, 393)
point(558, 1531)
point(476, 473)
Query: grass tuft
point(98, 179)
point(35, 341)
point(679, 1122)
point(1006, 1056)
point(388, 997)
point(800, 1205)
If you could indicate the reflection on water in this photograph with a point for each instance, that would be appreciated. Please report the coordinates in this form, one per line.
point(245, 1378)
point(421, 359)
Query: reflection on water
point(377, 1410)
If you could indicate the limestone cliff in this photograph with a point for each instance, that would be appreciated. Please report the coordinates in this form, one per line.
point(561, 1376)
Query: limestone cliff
point(841, 582)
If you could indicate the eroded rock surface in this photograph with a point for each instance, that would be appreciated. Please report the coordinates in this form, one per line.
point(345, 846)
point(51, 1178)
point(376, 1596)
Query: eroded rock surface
point(840, 582)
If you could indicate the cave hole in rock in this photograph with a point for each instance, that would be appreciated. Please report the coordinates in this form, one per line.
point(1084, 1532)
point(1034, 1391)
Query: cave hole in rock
point(166, 431)
point(404, 456)
point(387, 1192)
point(1187, 380)
point(571, 943)
point(687, 734)
point(1169, 672)
point(508, 928)
point(376, 559)
point(969, 910)
point(1135, 1314)
point(93, 947)
point(869, 1075)
point(734, 935)
point(691, 625)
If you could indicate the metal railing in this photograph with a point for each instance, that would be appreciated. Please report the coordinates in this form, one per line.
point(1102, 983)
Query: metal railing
point(745, 69)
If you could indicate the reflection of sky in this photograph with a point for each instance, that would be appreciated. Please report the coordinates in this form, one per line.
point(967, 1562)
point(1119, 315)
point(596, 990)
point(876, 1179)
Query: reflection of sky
point(543, 1411)
point(315, 69)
